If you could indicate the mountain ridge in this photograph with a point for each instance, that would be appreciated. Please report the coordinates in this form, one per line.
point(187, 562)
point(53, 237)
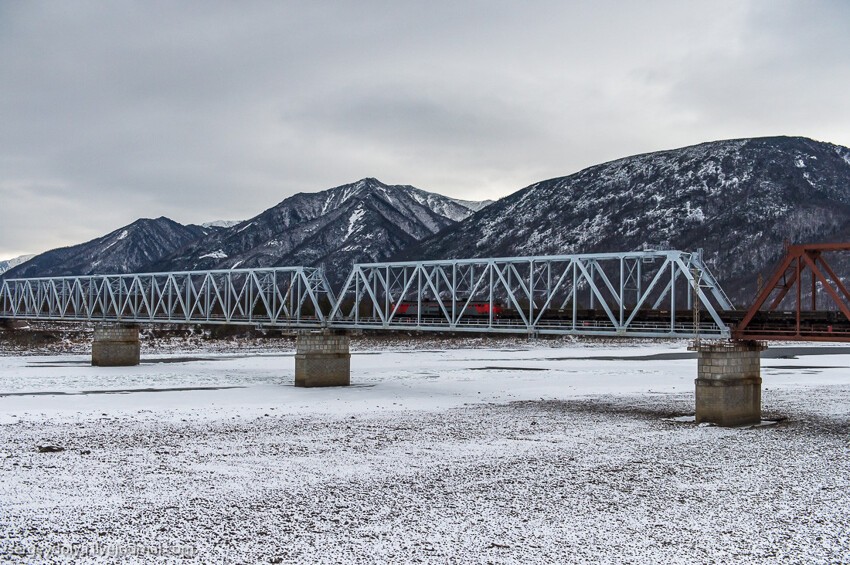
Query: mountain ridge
point(8, 264)
point(738, 199)
point(362, 221)
point(131, 248)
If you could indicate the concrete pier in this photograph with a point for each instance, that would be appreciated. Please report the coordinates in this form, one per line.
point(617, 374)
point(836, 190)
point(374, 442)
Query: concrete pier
point(115, 345)
point(728, 384)
point(322, 358)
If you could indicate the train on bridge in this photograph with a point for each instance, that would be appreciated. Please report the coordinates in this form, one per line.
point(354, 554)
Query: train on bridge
point(632, 294)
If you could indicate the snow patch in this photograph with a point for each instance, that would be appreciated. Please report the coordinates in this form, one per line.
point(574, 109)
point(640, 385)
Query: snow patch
point(694, 214)
point(221, 224)
point(122, 235)
point(8, 264)
point(419, 434)
point(473, 205)
point(215, 255)
point(355, 218)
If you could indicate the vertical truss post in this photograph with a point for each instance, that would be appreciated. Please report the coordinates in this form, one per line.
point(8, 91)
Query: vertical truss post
point(574, 293)
point(672, 297)
point(799, 288)
point(490, 266)
point(454, 294)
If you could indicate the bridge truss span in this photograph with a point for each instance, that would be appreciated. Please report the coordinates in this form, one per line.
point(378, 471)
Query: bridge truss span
point(639, 294)
point(286, 296)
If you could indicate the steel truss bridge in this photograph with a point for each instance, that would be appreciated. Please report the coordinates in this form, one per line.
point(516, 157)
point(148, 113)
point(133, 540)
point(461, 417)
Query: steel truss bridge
point(638, 294)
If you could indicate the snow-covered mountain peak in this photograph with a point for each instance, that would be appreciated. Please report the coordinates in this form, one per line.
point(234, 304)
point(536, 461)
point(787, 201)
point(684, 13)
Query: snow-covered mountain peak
point(738, 199)
point(7, 264)
point(363, 221)
point(221, 223)
point(132, 248)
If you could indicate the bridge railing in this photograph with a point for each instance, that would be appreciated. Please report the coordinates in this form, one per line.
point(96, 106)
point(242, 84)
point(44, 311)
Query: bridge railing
point(636, 294)
point(285, 296)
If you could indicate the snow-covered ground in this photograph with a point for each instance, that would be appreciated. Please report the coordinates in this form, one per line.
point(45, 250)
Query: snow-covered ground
point(531, 453)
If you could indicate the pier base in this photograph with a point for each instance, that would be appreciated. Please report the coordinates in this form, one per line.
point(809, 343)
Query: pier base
point(115, 346)
point(322, 358)
point(728, 384)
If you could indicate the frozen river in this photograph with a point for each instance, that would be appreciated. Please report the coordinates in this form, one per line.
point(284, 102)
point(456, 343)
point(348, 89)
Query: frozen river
point(530, 454)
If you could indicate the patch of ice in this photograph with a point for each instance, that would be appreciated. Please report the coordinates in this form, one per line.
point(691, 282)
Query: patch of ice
point(683, 419)
point(764, 423)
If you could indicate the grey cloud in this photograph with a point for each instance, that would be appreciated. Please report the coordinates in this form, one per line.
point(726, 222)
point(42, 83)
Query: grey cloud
point(783, 76)
point(209, 110)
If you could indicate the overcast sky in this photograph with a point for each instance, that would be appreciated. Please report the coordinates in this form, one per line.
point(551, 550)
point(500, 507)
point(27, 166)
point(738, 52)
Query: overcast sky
point(111, 111)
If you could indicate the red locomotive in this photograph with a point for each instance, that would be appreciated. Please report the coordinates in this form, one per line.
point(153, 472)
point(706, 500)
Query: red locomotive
point(431, 309)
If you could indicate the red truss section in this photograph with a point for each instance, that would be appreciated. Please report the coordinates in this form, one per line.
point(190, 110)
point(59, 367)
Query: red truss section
point(823, 314)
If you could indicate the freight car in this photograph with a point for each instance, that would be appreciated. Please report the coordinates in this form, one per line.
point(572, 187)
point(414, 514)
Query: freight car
point(431, 309)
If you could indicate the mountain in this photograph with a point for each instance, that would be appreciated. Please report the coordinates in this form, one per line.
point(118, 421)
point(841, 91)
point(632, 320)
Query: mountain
point(133, 248)
point(363, 221)
point(10, 263)
point(738, 199)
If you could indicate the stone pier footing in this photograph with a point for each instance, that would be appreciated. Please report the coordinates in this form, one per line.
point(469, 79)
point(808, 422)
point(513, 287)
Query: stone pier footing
point(115, 346)
point(728, 384)
point(322, 358)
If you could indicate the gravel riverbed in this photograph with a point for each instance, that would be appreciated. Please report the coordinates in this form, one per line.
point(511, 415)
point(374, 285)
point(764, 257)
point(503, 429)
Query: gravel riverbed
point(442, 456)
